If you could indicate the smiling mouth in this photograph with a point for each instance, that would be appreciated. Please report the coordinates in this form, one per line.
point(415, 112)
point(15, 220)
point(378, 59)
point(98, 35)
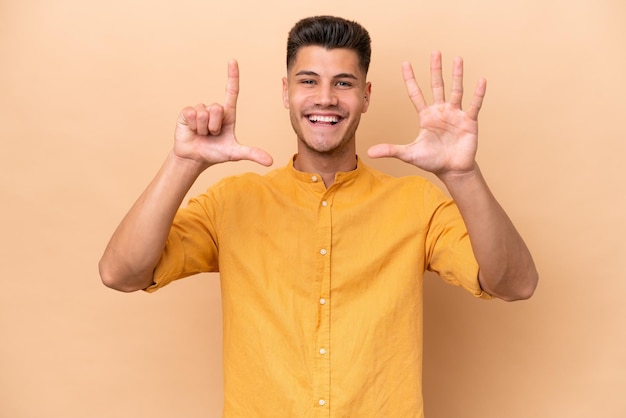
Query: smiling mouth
point(324, 120)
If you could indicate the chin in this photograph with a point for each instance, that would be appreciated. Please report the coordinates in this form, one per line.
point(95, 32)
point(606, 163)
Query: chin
point(324, 146)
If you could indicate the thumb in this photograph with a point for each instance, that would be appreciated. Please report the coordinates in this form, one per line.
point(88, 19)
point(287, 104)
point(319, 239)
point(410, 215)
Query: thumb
point(385, 150)
point(257, 155)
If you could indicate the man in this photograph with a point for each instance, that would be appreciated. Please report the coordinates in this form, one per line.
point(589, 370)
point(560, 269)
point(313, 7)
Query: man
point(321, 262)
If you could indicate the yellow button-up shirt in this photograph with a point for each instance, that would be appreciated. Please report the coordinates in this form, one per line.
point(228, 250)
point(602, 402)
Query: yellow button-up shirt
point(321, 288)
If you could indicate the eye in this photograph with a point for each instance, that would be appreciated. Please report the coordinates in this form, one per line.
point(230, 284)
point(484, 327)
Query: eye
point(307, 82)
point(343, 84)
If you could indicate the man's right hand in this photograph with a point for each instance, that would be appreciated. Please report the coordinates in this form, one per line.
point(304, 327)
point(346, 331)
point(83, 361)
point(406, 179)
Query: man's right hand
point(206, 134)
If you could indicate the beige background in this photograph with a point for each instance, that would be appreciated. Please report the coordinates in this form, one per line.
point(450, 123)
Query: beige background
point(89, 95)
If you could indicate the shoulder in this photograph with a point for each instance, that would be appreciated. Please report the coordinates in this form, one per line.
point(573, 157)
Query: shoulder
point(245, 178)
point(244, 184)
point(401, 184)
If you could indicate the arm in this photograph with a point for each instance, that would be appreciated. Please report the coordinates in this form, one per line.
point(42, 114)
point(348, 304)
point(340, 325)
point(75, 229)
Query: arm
point(204, 136)
point(446, 146)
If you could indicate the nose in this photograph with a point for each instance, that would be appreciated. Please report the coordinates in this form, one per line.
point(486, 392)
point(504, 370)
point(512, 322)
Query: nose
point(326, 95)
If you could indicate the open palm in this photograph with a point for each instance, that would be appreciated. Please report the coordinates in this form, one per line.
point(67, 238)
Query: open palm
point(448, 137)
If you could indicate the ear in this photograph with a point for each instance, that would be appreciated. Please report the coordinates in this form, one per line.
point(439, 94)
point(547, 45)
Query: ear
point(367, 96)
point(285, 93)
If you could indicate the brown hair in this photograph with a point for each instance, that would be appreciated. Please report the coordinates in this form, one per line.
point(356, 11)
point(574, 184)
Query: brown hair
point(330, 32)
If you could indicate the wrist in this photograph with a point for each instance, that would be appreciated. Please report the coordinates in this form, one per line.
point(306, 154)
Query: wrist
point(186, 167)
point(457, 178)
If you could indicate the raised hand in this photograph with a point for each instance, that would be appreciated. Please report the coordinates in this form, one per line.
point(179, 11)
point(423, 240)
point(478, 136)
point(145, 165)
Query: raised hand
point(448, 137)
point(206, 134)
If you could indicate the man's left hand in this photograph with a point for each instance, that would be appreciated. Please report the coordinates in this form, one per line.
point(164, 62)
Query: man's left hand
point(448, 138)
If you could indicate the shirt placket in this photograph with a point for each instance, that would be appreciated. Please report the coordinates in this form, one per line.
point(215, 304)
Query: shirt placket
point(322, 349)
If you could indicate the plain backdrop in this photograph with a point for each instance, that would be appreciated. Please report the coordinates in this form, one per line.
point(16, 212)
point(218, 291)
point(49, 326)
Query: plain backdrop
point(89, 95)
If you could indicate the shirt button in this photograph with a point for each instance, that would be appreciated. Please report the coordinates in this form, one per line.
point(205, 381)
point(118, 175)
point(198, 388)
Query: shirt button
point(322, 301)
point(322, 402)
point(322, 351)
point(324, 203)
point(323, 251)
point(314, 179)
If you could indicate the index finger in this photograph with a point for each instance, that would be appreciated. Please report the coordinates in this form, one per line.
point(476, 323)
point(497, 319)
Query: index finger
point(414, 91)
point(232, 85)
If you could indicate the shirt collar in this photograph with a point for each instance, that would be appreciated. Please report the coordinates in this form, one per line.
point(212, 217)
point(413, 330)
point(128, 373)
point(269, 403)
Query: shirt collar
point(340, 177)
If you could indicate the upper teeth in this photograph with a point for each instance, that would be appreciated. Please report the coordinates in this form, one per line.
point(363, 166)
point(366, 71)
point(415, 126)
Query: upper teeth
point(319, 118)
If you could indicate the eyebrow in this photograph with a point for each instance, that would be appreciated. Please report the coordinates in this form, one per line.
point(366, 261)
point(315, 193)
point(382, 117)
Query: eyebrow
point(314, 74)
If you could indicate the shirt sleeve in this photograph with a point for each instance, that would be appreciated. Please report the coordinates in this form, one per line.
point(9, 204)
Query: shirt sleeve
point(191, 246)
point(449, 250)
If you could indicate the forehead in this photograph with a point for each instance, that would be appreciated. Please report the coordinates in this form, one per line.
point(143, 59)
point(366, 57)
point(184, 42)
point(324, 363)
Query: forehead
point(326, 62)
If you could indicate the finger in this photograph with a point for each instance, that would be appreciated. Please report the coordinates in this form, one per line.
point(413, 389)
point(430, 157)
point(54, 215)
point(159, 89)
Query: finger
point(232, 86)
point(201, 119)
point(436, 78)
point(216, 117)
point(456, 93)
point(187, 117)
point(412, 88)
point(477, 100)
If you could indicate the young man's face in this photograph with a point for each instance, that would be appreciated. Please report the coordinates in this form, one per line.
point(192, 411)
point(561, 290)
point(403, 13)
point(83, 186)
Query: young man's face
point(326, 93)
